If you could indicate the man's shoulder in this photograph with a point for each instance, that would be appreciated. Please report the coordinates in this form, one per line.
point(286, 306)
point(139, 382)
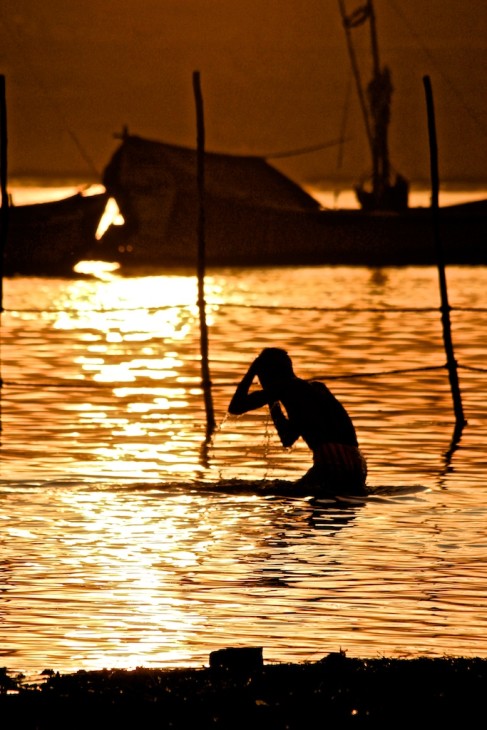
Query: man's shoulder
point(301, 387)
point(314, 387)
point(318, 385)
point(321, 391)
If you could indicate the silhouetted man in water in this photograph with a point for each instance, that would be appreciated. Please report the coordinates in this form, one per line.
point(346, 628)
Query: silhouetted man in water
point(312, 412)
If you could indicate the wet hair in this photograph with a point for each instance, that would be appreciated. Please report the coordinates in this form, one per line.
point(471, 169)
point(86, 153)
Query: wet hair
point(273, 362)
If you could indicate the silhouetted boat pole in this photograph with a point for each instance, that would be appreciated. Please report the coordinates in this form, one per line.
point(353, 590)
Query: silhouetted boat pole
point(4, 206)
point(205, 370)
point(3, 181)
point(445, 307)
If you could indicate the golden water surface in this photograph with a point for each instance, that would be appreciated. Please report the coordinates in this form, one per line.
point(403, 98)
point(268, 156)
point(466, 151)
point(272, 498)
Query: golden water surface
point(126, 540)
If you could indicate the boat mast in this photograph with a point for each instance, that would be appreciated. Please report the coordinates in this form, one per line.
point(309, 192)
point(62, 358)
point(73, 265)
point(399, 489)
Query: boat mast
point(349, 22)
point(375, 104)
point(379, 92)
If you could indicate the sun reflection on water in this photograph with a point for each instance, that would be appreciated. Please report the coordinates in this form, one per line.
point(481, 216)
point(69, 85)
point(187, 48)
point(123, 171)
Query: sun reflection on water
point(128, 571)
point(140, 339)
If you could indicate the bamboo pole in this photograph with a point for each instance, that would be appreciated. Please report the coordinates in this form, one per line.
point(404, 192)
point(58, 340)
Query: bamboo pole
point(205, 370)
point(445, 307)
point(4, 207)
point(3, 181)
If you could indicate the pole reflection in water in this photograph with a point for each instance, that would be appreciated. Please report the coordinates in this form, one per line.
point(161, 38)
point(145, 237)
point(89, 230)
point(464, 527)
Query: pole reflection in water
point(126, 540)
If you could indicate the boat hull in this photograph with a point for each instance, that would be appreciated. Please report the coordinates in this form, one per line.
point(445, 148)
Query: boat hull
point(239, 235)
point(48, 239)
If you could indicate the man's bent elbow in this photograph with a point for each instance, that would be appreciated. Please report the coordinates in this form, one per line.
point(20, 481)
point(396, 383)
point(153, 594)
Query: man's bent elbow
point(236, 409)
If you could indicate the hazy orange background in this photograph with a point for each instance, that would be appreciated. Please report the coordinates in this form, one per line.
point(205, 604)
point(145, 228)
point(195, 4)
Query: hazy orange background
point(274, 76)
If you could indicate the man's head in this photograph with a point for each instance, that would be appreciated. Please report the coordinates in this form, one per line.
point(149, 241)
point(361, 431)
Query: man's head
point(273, 364)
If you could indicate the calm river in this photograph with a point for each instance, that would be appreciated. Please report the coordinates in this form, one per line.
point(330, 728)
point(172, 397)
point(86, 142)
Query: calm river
point(127, 541)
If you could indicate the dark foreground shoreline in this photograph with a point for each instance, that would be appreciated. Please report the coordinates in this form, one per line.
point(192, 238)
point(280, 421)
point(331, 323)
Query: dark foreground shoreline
point(336, 692)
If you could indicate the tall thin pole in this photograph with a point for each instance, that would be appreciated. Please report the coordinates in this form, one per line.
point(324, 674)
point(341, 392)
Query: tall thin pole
point(4, 207)
point(200, 172)
point(3, 181)
point(445, 307)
